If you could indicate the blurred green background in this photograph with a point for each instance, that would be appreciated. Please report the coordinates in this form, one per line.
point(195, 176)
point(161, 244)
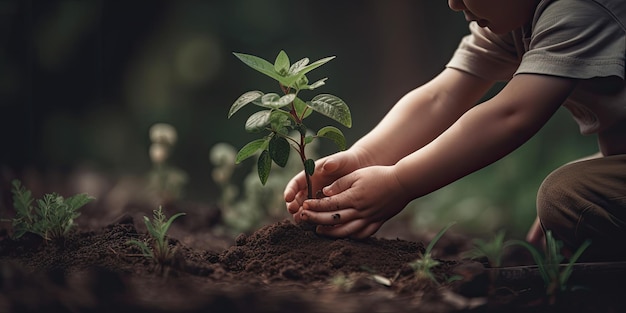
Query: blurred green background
point(82, 81)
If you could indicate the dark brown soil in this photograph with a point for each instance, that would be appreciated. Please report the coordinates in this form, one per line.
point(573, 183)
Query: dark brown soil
point(278, 268)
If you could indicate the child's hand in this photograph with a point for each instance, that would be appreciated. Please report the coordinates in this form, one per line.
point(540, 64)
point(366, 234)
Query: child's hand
point(358, 203)
point(327, 170)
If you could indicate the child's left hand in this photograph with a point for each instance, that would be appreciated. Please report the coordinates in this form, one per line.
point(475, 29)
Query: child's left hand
point(357, 204)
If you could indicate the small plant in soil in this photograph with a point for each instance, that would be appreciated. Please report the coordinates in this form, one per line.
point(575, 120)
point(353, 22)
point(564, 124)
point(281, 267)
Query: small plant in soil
point(165, 181)
point(493, 250)
point(424, 265)
point(553, 274)
point(157, 247)
point(51, 217)
point(284, 113)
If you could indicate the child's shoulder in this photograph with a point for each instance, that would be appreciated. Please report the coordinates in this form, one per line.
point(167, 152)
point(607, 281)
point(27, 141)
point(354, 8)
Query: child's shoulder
point(582, 10)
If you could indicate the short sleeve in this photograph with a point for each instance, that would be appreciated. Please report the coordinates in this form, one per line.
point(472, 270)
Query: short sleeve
point(575, 39)
point(486, 55)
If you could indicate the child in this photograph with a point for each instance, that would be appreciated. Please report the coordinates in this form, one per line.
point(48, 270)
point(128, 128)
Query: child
point(552, 53)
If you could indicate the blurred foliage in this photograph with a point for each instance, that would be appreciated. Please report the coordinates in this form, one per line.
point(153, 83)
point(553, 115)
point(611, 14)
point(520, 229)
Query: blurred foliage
point(81, 82)
point(247, 205)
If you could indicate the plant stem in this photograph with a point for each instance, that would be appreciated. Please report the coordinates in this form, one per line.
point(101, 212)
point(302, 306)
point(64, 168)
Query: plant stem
point(306, 174)
point(302, 143)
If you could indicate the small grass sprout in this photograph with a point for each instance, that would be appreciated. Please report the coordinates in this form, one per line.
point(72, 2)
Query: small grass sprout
point(157, 247)
point(51, 217)
point(424, 265)
point(493, 250)
point(285, 112)
point(554, 275)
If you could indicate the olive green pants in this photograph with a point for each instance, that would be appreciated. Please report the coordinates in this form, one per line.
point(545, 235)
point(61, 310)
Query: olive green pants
point(587, 200)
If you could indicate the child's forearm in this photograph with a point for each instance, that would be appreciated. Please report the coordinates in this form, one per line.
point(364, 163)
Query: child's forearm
point(420, 116)
point(484, 134)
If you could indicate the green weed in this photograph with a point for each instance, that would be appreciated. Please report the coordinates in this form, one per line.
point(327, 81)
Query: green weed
point(553, 274)
point(493, 250)
point(424, 265)
point(51, 217)
point(157, 246)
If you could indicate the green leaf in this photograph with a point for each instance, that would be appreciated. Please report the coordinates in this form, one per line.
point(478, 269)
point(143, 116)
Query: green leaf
point(259, 64)
point(165, 227)
point(264, 165)
point(332, 107)
point(309, 166)
point(152, 230)
point(77, 201)
point(292, 79)
point(281, 65)
point(143, 247)
point(258, 121)
point(250, 149)
point(317, 84)
point(243, 100)
point(334, 134)
point(279, 150)
point(537, 256)
point(308, 139)
point(302, 83)
point(313, 66)
point(298, 66)
point(437, 237)
point(279, 120)
point(301, 107)
point(569, 268)
point(274, 101)
point(292, 74)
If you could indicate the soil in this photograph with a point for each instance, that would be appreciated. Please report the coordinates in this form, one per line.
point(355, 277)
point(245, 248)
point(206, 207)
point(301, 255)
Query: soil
point(278, 268)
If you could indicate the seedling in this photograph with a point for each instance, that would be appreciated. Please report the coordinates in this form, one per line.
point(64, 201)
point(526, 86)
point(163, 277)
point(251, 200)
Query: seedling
point(493, 250)
point(164, 179)
point(157, 248)
point(426, 263)
point(553, 274)
point(285, 112)
point(51, 218)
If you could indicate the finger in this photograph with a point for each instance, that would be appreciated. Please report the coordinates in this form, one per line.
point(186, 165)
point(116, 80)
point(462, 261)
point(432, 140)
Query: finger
point(293, 207)
point(331, 165)
point(338, 186)
point(368, 231)
point(334, 203)
point(297, 217)
point(329, 218)
point(296, 204)
point(296, 184)
point(341, 230)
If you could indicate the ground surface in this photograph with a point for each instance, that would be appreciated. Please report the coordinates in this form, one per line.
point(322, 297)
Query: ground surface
point(278, 268)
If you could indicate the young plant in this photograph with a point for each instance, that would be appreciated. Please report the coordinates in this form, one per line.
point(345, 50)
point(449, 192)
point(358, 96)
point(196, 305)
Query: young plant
point(157, 248)
point(51, 218)
point(166, 181)
point(426, 263)
point(553, 274)
point(285, 112)
point(493, 250)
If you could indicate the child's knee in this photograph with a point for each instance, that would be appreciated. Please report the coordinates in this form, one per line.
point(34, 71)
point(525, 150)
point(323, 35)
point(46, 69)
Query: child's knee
point(559, 201)
point(576, 202)
point(557, 193)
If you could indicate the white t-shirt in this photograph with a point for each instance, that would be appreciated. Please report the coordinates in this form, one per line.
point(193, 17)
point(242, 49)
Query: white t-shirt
point(582, 39)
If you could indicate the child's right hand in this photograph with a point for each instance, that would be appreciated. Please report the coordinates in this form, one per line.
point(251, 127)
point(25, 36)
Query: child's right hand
point(327, 170)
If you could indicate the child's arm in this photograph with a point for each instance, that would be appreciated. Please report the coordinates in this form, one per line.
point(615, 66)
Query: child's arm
point(422, 115)
point(367, 197)
point(415, 120)
point(486, 133)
